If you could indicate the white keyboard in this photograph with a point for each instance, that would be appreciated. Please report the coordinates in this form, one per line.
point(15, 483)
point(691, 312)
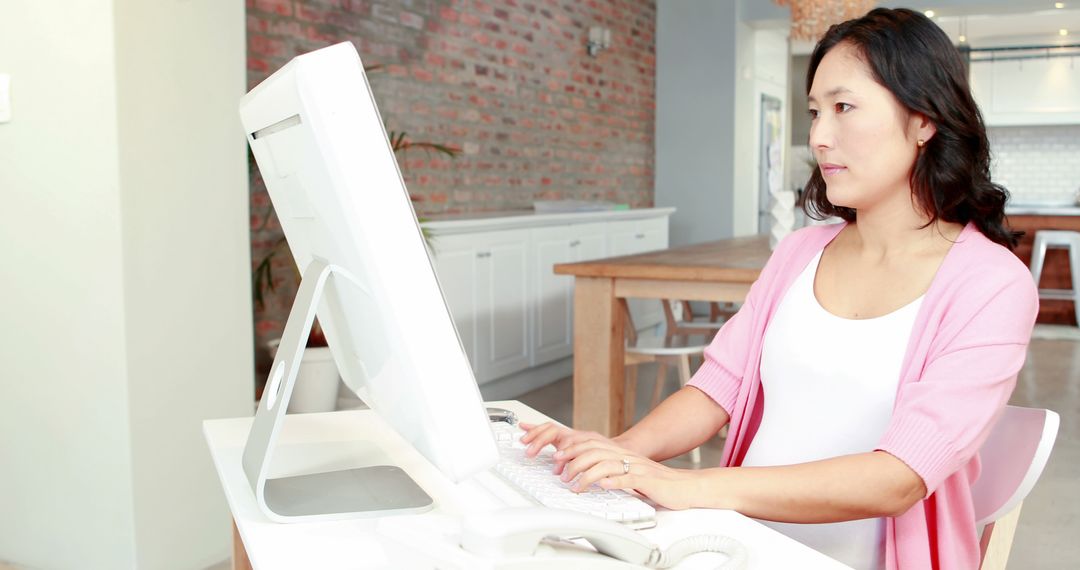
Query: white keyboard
point(533, 478)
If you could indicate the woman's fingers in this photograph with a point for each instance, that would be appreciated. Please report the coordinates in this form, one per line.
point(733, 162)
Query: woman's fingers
point(540, 436)
point(587, 459)
point(531, 430)
point(609, 467)
point(576, 448)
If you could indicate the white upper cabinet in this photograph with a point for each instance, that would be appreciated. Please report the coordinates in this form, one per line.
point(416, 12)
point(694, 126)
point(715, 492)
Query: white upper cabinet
point(1038, 91)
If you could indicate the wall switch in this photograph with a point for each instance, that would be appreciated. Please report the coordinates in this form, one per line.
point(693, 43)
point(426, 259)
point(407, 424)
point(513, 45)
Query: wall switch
point(5, 97)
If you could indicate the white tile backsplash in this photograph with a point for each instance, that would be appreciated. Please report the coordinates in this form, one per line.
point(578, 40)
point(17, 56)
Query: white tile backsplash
point(1038, 164)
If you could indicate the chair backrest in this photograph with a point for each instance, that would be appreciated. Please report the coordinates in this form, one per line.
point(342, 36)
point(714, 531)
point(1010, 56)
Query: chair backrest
point(1012, 457)
point(629, 330)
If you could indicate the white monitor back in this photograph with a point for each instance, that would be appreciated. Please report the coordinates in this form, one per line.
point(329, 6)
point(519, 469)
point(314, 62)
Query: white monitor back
point(323, 151)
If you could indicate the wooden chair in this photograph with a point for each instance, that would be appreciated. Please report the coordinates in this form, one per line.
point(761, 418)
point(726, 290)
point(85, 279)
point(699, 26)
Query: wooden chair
point(688, 323)
point(665, 350)
point(1013, 457)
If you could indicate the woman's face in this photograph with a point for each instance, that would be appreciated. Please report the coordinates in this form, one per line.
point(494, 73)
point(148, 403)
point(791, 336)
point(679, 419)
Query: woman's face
point(864, 140)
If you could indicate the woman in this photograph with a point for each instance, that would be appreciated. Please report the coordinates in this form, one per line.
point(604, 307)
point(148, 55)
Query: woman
point(871, 357)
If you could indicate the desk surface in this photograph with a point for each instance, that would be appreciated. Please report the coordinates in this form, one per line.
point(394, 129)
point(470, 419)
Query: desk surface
point(337, 440)
point(736, 260)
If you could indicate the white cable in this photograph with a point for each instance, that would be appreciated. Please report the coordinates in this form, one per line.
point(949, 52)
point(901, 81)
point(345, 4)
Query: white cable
point(735, 551)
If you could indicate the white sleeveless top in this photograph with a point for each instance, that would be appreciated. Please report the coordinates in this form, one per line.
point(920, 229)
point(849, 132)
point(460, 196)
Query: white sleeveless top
point(829, 385)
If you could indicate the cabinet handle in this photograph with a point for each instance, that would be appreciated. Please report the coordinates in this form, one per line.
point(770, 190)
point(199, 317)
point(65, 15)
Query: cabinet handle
point(575, 243)
point(483, 254)
point(640, 236)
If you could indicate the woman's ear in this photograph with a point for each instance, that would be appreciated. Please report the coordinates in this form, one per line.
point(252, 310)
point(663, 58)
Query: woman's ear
point(923, 128)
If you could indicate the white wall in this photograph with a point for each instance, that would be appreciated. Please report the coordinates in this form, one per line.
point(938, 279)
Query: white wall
point(744, 172)
point(125, 289)
point(64, 432)
point(768, 57)
point(1037, 164)
point(184, 192)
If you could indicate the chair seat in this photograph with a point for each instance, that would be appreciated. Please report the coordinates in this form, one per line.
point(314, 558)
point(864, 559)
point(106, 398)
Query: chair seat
point(1058, 294)
point(1059, 238)
point(701, 323)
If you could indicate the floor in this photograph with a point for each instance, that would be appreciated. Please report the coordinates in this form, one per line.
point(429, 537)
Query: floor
point(1050, 519)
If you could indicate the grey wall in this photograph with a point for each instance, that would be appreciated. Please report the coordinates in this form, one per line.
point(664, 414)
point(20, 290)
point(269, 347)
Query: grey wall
point(695, 116)
point(800, 120)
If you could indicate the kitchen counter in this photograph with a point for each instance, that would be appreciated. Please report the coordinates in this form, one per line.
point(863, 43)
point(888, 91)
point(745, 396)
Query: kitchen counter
point(1035, 210)
point(447, 224)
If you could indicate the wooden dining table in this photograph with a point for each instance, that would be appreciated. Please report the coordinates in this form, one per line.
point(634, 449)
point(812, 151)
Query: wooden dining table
point(715, 271)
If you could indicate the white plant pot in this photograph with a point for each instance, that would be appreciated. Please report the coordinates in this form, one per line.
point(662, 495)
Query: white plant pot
point(316, 387)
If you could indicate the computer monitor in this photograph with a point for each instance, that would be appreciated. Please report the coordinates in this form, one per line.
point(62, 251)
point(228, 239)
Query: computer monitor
point(323, 152)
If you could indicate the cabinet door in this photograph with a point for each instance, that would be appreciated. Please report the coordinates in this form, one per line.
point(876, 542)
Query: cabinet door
point(1027, 92)
point(553, 308)
point(455, 264)
point(638, 236)
point(592, 242)
point(553, 299)
point(628, 237)
point(502, 291)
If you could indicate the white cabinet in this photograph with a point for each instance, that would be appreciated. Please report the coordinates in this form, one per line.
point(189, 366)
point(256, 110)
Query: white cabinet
point(485, 281)
point(627, 237)
point(553, 309)
point(502, 290)
point(1027, 92)
point(514, 315)
point(455, 263)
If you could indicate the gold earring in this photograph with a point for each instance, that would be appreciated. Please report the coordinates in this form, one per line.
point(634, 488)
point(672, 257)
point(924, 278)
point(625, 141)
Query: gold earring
point(921, 143)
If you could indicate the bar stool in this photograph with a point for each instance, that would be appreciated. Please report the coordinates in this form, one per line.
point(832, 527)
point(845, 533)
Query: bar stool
point(1060, 239)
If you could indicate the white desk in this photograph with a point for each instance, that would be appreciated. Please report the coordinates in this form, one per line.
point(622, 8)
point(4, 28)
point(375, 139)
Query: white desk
point(339, 440)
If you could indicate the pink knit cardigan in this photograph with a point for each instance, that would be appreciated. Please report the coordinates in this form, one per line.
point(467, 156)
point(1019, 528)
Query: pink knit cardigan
point(966, 348)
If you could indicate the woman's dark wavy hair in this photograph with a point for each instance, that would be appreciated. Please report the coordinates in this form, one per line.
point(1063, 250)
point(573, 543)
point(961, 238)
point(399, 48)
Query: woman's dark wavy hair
point(913, 58)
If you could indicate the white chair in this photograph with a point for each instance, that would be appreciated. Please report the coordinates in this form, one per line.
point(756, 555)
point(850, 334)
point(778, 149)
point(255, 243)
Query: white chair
point(665, 350)
point(1013, 457)
point(1064, 239)
point(688, 323)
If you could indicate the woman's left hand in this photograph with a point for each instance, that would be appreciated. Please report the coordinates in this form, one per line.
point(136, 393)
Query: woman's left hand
point(602, 462)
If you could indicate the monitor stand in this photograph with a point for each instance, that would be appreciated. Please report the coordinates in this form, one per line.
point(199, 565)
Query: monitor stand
point(351, 493)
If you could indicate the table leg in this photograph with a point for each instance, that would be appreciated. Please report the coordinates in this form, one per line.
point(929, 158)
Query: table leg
point(598, 357)
point(239, 554)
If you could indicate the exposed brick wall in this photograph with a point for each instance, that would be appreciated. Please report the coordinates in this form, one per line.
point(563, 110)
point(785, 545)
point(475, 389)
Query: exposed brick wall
point(507, 81)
